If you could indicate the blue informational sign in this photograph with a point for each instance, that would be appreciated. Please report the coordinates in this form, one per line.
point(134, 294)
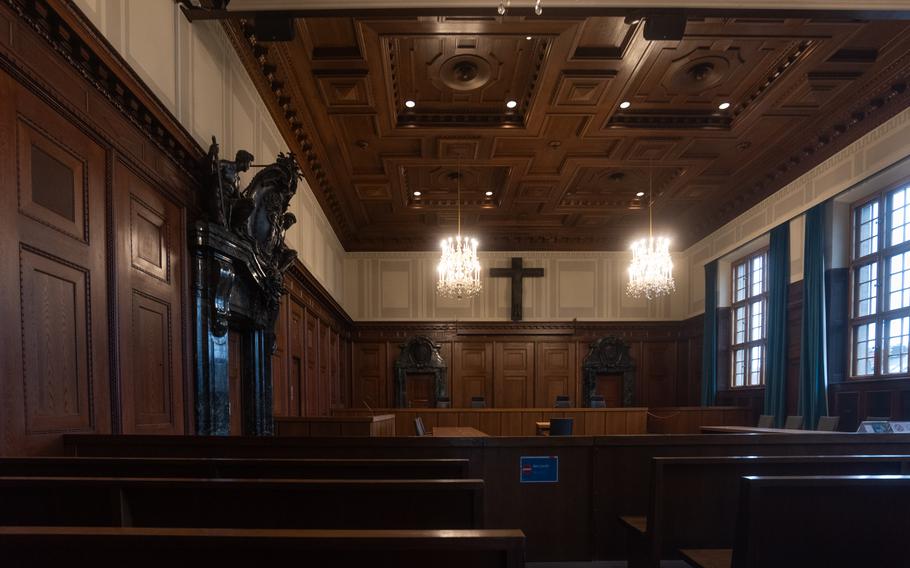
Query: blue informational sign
point(539, 469)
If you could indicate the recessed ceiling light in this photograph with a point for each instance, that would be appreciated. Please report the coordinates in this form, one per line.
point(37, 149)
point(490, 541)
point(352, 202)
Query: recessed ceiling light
point(625, 104)
point(723, 106)
point(417, 194)
point(640, 194)
point(489, 194)
point(410, 104)
point(529, 38)
point(512, 104)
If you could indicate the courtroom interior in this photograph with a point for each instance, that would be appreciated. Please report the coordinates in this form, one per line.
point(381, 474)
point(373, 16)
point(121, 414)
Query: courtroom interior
point(463, 283)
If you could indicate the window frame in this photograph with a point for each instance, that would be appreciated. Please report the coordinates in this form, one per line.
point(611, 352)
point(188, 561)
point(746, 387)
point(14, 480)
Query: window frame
point(747, 304)
point(880, 257)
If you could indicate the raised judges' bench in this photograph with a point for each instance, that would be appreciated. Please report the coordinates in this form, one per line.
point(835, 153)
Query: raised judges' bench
point(514, 421)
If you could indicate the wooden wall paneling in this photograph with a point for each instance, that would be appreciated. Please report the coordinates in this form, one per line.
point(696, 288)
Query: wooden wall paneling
point(310, 387)
point(635, 353)
point(473, 372)
point(149, 229)
point(52, 258)
point(369, 374)
point(324, 369)
point(296, 351)
point(557, 372)
point(335, 385)
point(513, 375)
point(281, 384)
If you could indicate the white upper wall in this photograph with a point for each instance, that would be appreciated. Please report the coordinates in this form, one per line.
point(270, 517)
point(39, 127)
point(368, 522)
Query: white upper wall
point(196, 74)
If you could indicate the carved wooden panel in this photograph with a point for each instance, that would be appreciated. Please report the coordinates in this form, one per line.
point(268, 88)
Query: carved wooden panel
point(798, 90)
point(557, 373)
point(325, 375)
point(311, 370)
point(52, 182)
point(281, 395)
point(370, 375)
point(149, 248)
point(57, 377)
point(513, 378)
point(472, 372)
point(296, 393)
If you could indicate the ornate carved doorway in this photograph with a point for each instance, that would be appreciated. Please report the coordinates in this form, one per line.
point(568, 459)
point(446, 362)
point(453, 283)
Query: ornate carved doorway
point(609, 371)
point(420, 374)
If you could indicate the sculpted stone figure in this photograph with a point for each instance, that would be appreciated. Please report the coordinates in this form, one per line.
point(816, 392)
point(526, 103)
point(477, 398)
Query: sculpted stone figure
point(227, 206)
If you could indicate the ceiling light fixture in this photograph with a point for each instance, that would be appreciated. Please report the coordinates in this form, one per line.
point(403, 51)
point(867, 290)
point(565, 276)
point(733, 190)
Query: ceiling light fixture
point(723, 106)
point(512, 104)
point(504, 6)
point(417, 194)
point(625, 104)
point(640, 194)
point(529, 38)
point(458, 269)
point(410, 104)
point(489, 194)
point(651, 269)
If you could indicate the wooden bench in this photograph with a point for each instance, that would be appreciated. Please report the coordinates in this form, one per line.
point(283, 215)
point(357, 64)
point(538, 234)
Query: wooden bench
point(835, 522)
point(30, 547)
point(241, 503)
point(235, 468)
point(694, 500)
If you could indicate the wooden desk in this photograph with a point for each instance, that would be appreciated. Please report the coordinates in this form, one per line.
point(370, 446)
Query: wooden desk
point(542, 427)
point(334, 426)
point(457, 432)
point(751, 430)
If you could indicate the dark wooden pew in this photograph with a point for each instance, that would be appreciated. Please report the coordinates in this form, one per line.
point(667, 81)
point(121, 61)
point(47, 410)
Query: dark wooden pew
point(235, 468)
point(693, 500)
point(241, 503)
point(38, 547)
point(835, 522)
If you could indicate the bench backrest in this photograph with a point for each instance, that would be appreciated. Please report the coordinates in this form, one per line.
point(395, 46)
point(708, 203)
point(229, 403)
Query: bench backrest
point(118, 547)
point(835, 522)
point(241, 503)
point(694, 500)
point(235, 468)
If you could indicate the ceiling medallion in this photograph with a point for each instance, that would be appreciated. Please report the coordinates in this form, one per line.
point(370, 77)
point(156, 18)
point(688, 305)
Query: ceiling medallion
point(459, 268)
point(651, 269)
point(465, 72)
point(504, 6)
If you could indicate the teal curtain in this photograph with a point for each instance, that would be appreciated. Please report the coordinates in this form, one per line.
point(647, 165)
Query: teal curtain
point(813, 372)
point(709, 338)
point(778, 286)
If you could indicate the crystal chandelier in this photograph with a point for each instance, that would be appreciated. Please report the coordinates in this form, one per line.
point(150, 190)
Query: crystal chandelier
point(459, 269)
point(504, 6)
point(651, 270)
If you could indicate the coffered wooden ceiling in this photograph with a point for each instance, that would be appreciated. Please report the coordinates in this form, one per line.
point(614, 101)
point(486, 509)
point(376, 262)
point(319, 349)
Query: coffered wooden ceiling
point(564, 166)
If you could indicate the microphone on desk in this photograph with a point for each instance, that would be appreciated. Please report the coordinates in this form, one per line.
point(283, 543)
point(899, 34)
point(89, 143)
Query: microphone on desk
point(365, 403)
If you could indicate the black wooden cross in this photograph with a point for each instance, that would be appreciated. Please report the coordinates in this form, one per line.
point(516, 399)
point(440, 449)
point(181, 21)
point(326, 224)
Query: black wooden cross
point(516, 273)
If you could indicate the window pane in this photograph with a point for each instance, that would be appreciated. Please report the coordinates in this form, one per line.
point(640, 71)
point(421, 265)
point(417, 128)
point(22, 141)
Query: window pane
point(866, 290)
point(864, 349)
point(899, 217)
point(867, 222)
point(757, 325)
point(739, 368)
point(740, 284)
point(897, 337)
point(755, 365)
point(758, 279)
point(739, 324)
point(899, 281)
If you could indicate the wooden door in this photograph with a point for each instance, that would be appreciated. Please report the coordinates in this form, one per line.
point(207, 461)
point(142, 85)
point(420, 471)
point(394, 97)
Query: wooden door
point(473, 372)
point(557, 373)
point(420, 390)
point(513, 375)
point(236, 371)
point(55, 354)
point(609, 387)
point(369, 375)
point(149, 241)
